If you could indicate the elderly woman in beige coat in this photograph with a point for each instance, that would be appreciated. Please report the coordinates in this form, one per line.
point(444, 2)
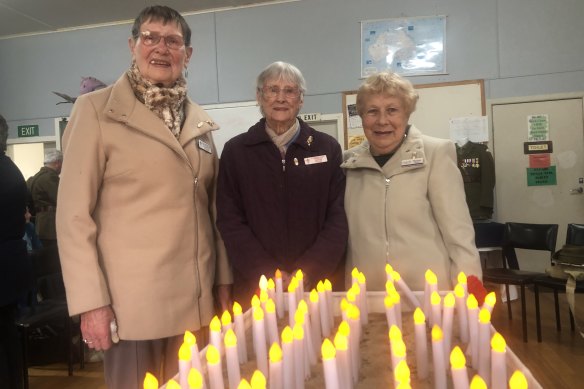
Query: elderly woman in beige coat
point(404, 198)
point(136, 225)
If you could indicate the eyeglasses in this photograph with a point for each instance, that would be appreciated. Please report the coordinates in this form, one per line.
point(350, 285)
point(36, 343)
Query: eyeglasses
point(173, 42)
point(272, 92)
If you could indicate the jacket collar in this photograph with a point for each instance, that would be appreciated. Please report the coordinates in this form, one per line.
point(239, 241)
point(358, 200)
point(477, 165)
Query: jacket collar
point(257, 134)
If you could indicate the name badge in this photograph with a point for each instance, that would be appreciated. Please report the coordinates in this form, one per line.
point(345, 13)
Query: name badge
point(313, 160)
point(412, 162)
point(205, 146)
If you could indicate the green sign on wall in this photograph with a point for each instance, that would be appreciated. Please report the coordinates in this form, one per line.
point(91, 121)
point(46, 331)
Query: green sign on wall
point(28, 131)
point(541, 176)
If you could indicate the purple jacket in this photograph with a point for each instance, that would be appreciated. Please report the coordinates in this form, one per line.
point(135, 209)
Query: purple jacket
point(288, 216)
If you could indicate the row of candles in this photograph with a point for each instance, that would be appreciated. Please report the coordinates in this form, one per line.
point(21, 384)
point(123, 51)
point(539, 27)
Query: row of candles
point(288, 362)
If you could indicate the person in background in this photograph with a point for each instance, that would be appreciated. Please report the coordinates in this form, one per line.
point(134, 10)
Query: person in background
point(139, 249)
point(30, 236)
point(405, 198)
point(280, 191)
point(15, 269)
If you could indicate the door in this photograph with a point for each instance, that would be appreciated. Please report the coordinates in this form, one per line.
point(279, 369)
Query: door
point(517, 201)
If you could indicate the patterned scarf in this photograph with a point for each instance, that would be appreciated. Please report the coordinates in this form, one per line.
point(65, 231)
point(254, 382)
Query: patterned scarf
point(283, 140)
point(166, 103)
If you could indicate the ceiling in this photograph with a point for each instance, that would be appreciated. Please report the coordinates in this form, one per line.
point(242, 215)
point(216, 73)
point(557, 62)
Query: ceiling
point(24, 17)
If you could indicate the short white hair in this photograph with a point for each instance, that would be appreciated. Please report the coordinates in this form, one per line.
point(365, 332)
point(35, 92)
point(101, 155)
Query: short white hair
point(53, 156)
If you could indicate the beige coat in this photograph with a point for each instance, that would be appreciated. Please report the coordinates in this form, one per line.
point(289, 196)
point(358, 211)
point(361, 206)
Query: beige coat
point(411, 213)
point(135, 225)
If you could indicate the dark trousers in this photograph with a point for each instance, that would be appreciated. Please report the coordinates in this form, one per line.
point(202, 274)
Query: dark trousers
point(10, 351)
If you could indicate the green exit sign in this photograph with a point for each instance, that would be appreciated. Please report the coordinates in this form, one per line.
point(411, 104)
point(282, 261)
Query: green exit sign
point(26, 131)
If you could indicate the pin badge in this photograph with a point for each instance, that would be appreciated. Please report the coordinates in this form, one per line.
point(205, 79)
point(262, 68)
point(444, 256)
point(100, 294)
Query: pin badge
point(200, 125)
point(309, 140)
point(296, 161)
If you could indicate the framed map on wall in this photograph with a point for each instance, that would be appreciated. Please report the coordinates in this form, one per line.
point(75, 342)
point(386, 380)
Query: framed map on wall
point(407, 46)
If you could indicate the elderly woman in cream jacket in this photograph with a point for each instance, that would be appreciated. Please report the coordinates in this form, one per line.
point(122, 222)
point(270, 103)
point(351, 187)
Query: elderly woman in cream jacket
point(404, 199)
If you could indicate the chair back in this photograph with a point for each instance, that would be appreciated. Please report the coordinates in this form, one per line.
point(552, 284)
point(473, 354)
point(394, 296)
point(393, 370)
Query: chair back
point(531, 236)
point(575, 234)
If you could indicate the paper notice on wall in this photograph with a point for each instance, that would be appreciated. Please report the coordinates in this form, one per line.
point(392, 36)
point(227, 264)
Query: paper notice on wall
point(539, 160)
point(473, 128)
point(538, 127)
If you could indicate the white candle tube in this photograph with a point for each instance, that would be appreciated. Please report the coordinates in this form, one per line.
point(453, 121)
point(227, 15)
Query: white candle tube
point(239, 327)
point(184, 365)
point(191, 340)
point(292, 302)
point(214, 369)
point(272, 322)
point(431, 285)
point(484, 345)
point(421, 344)
point(389, 311)
point(329, 364)
point(498, 364)
point(490, 300)
point(328, 292)
point(215, 334)
point(398, 352)
point(298, 333)
point(436, 307)
point(324, 316)
point(458, 369)
point(289, 375)
point(279, 294)
point(341, 343)
point(355, 338)
point(276, 378)
point(363, 307)
point(438, 358)
point(232, 359)
point(315, 319)
point(397, 309)
point(272, 289)
point(447, 318)
point(461, 279)
point(345, 330)
point(302, 317)
point(413, 300)
point(473, 330)
point(300, 285)
point(259, 341)
point(461, 312)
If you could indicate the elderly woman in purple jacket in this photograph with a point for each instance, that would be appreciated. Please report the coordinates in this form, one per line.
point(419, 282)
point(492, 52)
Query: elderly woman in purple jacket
point(280, 191)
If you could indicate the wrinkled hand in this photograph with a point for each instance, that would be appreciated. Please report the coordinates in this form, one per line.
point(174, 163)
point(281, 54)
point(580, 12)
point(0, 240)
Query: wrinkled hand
point(475, 287)
point(224, 297)
point(95, 327)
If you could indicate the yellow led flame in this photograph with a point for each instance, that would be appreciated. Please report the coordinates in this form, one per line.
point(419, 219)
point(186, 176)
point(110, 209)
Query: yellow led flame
point(459, 291)
point(388, 302)
point(394, 333)
point(299, 276)
point(430, 277)
point(344, 328)
point(225, 318)
point(395, 297)
point(195, 379)
point(498, 343)
point(299, 317)
point(328, 287)
point(263, 284)
point(435, 298)
point(258, 380)
point(302, 307)
point(275, 353)
point(320, 287)
point(278, 274)
point(396, 276)
point(340, 341)
point(388, 268)
point(355, 272)
point(471, 302)
point(287, 335)
point(477, 382)
point(437, 334)
point(264, 296)
point(172, 384)
point(390, 287)
point(243, 384)
point(351, 295)
point(328, 350)
point(298, 332)
point(491, 299)
point(517, 380)
point(190, 338)
point(402, 371)
point(230, 339)
point(215, 324)
point(461, 278)
point(271, 284)
point(237, 310)
point(258, 314)
point(457, 359)
point(150, 382)
point(212, 355)
point(356, 289)
point(270, 306)
point(292, 285)
point(398, 348)
point(313, 296)
point(353, 312)
point(449, 300)
point(419, 317)
point(255, 301)
point(361, 278)
point(184, 352)
point(484, 316)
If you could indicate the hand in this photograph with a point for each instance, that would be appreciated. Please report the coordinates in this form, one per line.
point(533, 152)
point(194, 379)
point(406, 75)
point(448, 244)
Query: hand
point(286, 278)
point(95, 327)
point(475, 287)
point(224, 297)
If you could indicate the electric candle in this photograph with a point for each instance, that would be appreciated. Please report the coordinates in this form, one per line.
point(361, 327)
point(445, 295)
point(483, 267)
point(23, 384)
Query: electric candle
point(517, 381)
point(430, 286)
point(255, 302)
point(172, 384)
point(390, 287)
point(343, 360)
point(300, 286)
point(329, 364)
point(240, 332)
point(232, 359)
point(291, 301)
point(447, 318)
point(184, 364)
point(354, 276)
point(324, 316)
point(315, 319)
point(498, 365)
point(244, 384)
point(150, 382)
point(458, 369)
point(298, 334)
point(436, 304)
point(195, 379)
point(345, 330)
point(299, 320)
point(490, 301)
point(389, 311)
point(276, 376)
point(263, 284)
point(302, 313)
point(397, 346)
point(461, 279)
point(461, 312)
point(473, 329)
point(438, 358)
point(288, 358)
point(344, 305)
point(263, 298)
point(259, 340)
point(401, 373)
point(414, 302)
point(271, 289)
point(214, 370)
point(478, 383)
point(279, 294)
point(363, 298)
point(226, 323)
point(215, 334)
point(421, 344)
point(388, 272)
point(396, 298)
point(191, 340)
point(328, 292)
point(484, 345)
point(272, 322)
point(352, 295)
point(258, 380)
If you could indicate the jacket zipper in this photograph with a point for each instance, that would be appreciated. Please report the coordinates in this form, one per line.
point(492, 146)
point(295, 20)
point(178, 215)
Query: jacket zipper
point(387, 180)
